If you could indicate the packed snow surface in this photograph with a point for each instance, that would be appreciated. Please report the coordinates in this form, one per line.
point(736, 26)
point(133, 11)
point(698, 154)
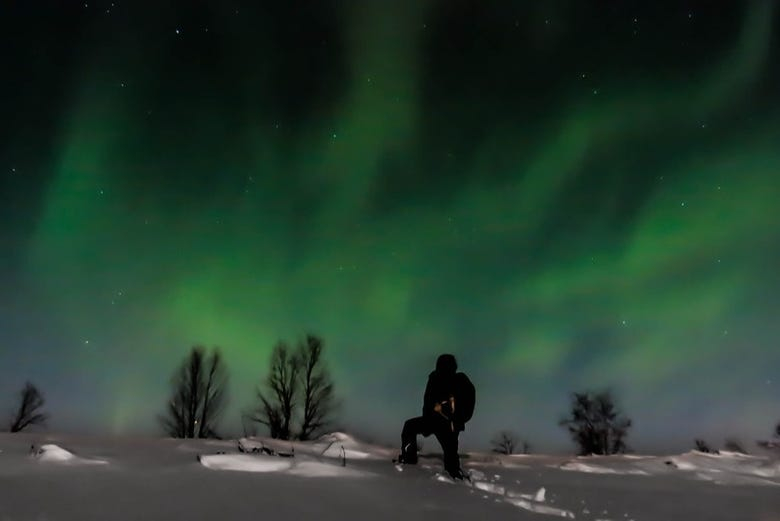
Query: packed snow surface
point(597, 469)
point(340, 478)
point(267, 463)
point(726, 468)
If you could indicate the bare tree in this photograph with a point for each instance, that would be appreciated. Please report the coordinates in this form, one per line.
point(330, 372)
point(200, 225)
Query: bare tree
point(504, 442)
point(703, 446)
point(214, 396)
point(734, 445)
point(316, 387)
point(277, 404)
point(248, 425)
point(199, 394)
point(595, 424)
point(30, 402)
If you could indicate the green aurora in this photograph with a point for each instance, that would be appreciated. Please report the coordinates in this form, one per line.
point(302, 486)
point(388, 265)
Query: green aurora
point(559, 216)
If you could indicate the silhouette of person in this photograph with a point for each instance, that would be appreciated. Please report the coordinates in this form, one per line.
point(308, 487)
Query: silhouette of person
point(448, 404)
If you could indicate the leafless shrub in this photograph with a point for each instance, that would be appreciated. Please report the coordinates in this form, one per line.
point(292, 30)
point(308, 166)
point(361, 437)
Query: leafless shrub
point(28, 413)
point(734, 445)
point(504, 442)
point(703, 446)
point(595, 424)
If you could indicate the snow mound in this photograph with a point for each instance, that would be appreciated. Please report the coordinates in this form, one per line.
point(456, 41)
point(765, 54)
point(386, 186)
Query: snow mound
point(539, 496)
point(338, 436)
point(51, 453)
point(577, 466)
point(540, 509)
point(316, 469)
point(264, 463)
point(728, 468)
point(338, 445)
point(490, 487)
point(244, 462)
point(477, 474)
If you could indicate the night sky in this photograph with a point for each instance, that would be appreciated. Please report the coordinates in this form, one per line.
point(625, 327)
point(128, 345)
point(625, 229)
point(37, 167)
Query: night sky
point(565, 195)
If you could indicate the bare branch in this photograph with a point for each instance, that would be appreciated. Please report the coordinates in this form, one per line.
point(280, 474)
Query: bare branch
point(317, 387)
point(277, 405)
point(30, 401)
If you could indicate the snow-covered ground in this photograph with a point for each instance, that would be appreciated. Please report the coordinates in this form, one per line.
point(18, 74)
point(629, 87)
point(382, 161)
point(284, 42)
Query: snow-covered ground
point(49, 477)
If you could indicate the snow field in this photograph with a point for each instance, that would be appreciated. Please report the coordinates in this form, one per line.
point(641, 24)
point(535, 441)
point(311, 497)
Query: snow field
point(349, 479)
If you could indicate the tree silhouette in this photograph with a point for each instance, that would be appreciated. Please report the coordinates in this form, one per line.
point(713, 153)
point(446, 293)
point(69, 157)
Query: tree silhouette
point(504, 443)
point(703, 446)
point(277, 403)
point(298, 389)
point(595, 424)
point(30, 402)
point(199, 395)
point(316, 387)
point(734, 445)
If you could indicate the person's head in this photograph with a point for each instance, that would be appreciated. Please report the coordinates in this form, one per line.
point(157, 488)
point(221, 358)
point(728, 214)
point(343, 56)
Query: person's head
point(446, 364)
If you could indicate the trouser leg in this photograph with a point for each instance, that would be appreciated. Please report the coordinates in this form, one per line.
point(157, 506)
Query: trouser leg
point(412, 427)
point(449, 445)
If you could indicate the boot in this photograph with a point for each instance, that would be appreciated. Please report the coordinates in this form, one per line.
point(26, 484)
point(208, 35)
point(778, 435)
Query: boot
point(407, 459)
point(456, 473)
point(408, 455)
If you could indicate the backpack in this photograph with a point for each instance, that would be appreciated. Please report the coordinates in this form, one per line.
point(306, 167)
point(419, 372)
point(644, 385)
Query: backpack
point(465, 397)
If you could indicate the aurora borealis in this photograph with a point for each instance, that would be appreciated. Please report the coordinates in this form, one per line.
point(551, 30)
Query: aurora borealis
point(565, 195)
